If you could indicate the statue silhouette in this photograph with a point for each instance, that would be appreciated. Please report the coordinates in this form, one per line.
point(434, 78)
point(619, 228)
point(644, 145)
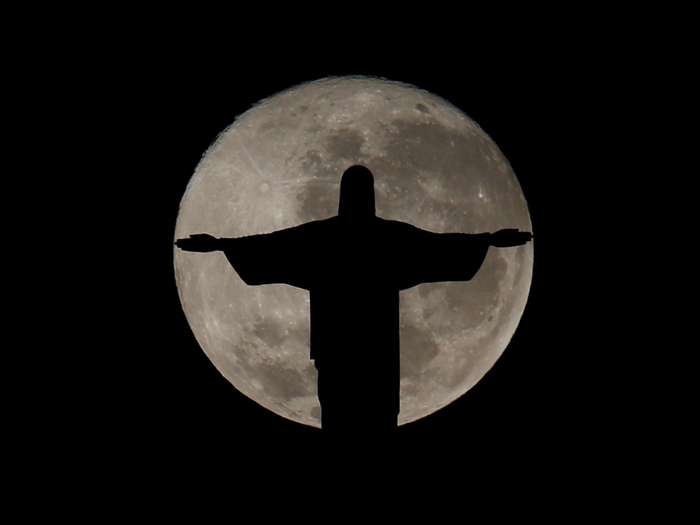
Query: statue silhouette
point(354, 265)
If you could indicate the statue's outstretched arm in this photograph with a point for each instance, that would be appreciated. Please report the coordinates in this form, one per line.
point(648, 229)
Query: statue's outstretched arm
point(508, 238)
point(200, 242)
point(256, 259)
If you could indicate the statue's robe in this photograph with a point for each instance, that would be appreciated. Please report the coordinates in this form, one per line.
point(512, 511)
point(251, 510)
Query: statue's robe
point(354, 270)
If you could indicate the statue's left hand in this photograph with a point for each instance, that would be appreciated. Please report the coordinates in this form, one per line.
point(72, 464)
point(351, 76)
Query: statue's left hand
point(509, 237)
point(201, 242)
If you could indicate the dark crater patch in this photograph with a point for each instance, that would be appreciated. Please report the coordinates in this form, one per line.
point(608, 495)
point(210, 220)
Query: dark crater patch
point(417, 348)
point(267, 126)
point(315, 201)
point(426, 146)
point(271, 332)
point(345, 144)
point(469, 303)
point(311, 161)
point(280, 382)
point(277, 380)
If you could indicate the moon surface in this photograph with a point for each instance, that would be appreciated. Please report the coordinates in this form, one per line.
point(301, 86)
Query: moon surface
point(279, 165)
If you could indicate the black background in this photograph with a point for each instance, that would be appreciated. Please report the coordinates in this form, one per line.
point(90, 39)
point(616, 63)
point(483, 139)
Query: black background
point(116, 107)
point(158, 397)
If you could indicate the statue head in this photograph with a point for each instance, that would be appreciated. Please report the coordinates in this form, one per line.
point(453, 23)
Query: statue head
point(357, 193)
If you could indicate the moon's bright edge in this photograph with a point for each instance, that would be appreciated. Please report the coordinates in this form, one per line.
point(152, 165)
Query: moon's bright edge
point(279, 165)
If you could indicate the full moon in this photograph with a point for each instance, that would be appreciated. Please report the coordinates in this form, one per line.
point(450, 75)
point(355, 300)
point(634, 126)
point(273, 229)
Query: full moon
point(279, 165)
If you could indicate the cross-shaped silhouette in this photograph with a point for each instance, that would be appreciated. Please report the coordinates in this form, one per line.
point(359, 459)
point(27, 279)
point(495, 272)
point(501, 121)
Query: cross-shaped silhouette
point(354, 265)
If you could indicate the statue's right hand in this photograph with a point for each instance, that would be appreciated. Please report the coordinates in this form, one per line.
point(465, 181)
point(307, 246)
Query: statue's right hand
point(200, 242)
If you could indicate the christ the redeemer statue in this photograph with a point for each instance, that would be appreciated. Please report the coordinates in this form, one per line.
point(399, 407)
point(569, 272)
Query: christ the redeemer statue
point(354, 265)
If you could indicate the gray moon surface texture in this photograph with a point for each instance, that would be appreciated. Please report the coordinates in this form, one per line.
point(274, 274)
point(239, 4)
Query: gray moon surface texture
point(279, 165)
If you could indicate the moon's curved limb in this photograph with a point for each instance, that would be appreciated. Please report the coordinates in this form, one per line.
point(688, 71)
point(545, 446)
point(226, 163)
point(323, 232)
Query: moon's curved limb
point(279, 165)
